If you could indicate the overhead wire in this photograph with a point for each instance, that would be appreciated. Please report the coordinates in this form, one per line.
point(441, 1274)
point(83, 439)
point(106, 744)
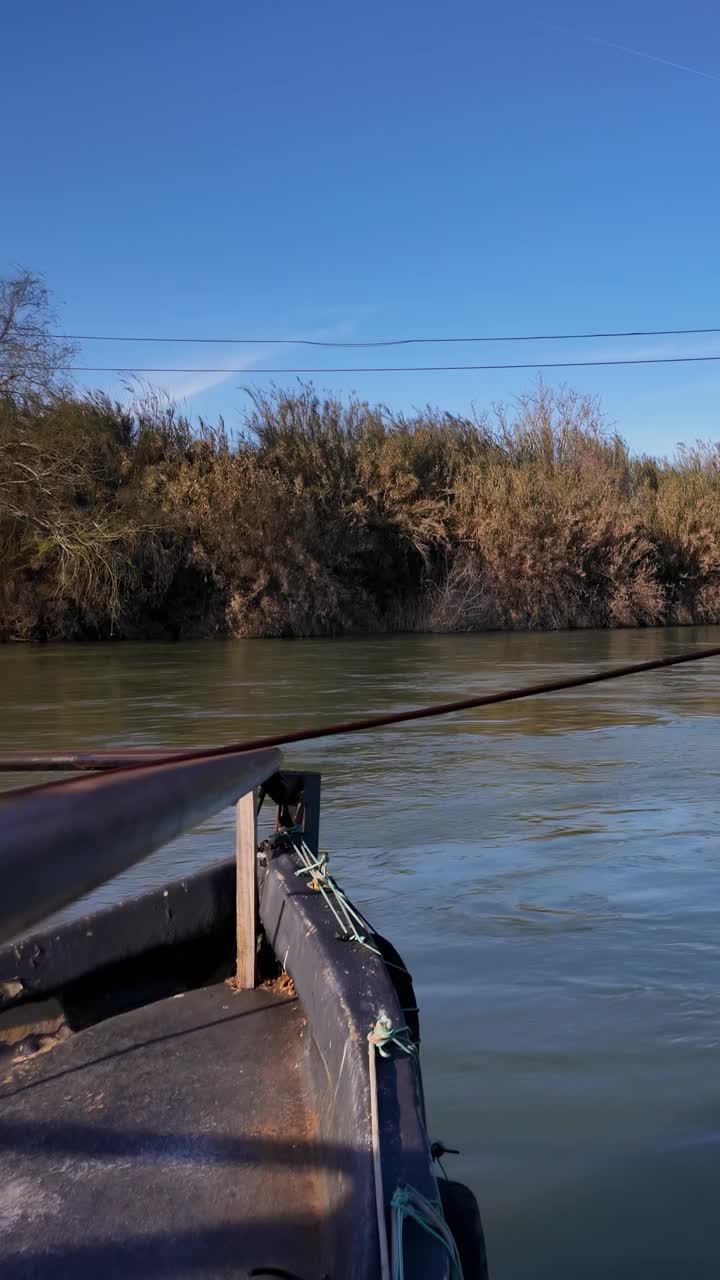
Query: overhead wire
point(388, 342)
point(418, 368)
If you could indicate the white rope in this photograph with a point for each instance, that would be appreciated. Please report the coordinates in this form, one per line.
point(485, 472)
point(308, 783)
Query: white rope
point(377, 1165)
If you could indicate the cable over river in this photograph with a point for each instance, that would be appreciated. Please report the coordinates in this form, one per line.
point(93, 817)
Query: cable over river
point(548, 869)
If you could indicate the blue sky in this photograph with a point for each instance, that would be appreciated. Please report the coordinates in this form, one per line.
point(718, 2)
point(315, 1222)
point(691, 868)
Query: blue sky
point(307, 169)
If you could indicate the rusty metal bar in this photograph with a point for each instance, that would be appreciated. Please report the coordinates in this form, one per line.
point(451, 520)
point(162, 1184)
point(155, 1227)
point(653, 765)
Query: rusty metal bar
point(59, 842)
point(12, 761)
point(89, 761)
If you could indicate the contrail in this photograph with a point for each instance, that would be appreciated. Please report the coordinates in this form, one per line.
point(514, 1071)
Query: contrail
point(638, 53)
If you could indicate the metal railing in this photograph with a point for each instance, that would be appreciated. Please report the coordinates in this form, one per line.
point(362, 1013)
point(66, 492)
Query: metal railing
point(63, 839)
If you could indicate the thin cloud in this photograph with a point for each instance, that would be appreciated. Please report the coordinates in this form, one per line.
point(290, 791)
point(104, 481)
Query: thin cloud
point(181, 388)
point(196, 384)
point(637, 53)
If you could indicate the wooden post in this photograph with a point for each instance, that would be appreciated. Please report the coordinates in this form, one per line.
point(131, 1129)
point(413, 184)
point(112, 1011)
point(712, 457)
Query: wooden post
point(311, 797)
point(246, 890)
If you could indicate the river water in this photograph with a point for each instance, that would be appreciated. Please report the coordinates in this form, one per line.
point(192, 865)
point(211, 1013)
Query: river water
point(549, 871)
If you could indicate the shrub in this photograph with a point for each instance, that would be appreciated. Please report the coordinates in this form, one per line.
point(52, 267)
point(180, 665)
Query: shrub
point(331, 516)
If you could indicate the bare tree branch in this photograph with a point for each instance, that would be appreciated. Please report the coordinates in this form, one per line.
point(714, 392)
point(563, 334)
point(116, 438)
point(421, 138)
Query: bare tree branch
point(32, 360)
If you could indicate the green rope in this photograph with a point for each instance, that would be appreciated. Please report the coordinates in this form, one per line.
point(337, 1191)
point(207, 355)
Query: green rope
point(390, 963)
point(409, 1203)
point(317, 869)
point(342, 924)
point(353, 926)
point(384, 1035)
point(320, 865)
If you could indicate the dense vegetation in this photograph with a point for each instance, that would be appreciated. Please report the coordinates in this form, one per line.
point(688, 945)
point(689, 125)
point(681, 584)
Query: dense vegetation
point(328, 517)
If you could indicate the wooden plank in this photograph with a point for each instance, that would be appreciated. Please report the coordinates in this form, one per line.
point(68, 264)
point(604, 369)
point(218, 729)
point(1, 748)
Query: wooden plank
point(246, 890)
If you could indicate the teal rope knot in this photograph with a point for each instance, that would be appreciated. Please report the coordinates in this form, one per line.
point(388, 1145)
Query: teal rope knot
point(318, 869)
point(353, 926)
point(409, 1203)
point(384, 1035)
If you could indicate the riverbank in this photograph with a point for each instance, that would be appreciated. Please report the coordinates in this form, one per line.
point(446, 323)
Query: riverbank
point(328, 518)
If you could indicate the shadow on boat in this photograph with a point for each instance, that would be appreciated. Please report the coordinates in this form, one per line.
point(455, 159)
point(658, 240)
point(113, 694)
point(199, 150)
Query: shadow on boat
point(137, 1046)
point(281, 1235)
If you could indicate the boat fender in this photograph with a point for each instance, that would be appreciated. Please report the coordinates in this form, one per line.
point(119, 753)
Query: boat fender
point(461, 1212)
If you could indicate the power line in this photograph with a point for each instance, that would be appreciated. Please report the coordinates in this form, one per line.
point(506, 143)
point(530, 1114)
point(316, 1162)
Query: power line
point(388, 342)
point(407, 368)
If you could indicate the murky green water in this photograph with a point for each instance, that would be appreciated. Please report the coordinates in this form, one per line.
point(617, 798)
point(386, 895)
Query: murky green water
point(550, 871)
